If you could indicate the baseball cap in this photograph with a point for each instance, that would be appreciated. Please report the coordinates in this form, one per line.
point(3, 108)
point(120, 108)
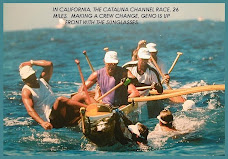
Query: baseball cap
point(151, 47)
point(111, 57)
point(26, 71)
point(143, 53)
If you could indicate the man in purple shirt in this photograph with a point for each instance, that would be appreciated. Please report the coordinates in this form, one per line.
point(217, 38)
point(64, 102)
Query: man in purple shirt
point(107, 78)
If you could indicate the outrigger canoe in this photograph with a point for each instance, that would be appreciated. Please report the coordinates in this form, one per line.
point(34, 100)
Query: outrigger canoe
point(98, 120)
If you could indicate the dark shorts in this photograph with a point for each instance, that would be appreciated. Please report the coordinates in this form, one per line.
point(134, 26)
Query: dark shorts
point(59, 121)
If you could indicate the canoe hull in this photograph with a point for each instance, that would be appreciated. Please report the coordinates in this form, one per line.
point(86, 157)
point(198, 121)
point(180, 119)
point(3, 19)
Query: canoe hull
point(100, 132)
point(100, 127)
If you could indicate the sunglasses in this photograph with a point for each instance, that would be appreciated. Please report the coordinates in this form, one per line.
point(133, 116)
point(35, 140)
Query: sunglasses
point(111, 64)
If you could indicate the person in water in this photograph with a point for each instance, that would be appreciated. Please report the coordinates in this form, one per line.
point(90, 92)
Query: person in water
point(40, 101)
point(165, 121)
point(126, 131)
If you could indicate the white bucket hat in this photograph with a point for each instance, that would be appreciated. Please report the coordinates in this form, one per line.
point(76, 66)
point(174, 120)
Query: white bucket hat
point(26, 71)
point(160, 119)
point(151, 47)
point(189, 105)
point(134, 129)
point(143, 53)
point(111, 57)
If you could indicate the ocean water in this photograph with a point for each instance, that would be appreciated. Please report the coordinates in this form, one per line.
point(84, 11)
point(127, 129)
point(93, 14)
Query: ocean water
point(202, 63)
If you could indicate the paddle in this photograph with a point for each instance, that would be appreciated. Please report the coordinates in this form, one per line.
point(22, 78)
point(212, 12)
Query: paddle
point(90, 65)
point(83, 81)
point(106, 49)
point(82, 114)
point(176, 99)
point(209, 87)
point(87, 59)
point(175, 94)
point(174, 63)
point(125, 82)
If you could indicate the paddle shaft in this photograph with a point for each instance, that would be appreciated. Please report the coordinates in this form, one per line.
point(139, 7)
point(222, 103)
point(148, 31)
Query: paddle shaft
point(82, 114)
point(83, 81)
point(175, 61)
point(212, 87)
point(179, 99)
point(175, 94)
point(143, 88)
point(87, 59)
point(110, 91)
point(159, 70)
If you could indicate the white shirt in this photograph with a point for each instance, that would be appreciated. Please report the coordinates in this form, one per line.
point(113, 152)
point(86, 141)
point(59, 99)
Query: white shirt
point(43, 99)
point(147, 78)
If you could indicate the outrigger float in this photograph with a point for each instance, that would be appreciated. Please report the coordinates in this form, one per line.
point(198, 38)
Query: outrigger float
point(98, 121)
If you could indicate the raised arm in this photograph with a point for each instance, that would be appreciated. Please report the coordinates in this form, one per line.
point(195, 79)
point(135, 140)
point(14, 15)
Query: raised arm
point(47, 65)
point(90, 81)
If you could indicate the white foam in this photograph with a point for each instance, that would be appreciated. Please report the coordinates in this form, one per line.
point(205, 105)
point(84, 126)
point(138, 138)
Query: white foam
point(88, 146)
point(199, 95)
point(174, 83)
point(187, 124)
point(47, 138)
point(195, 84)
point(182, 123)
point(17, 121)
point(29, 138)
point(42, 137)
point(212, 104)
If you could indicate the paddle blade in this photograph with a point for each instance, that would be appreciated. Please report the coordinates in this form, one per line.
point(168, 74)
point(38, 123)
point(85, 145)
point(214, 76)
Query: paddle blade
point(178, 99)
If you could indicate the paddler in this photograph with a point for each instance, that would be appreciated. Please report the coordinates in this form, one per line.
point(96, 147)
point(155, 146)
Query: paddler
point(141, 43)
point(143, 73)
point(41, 103)
point(165, 121)
point(108, 77)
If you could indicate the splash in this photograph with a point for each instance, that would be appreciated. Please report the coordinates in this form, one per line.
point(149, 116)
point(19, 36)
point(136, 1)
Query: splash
point(199, 95)
point(44, 137)
point(195, 84)
point(212, 104)
point(17, 121)
point(184, 125)
point(88, 146)
point(187, 124)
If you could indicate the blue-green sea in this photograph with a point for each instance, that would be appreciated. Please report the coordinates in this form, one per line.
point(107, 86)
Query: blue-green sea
point(202, 63)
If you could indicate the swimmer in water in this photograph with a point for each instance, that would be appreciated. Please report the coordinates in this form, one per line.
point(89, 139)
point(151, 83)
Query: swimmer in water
point(165, 121)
